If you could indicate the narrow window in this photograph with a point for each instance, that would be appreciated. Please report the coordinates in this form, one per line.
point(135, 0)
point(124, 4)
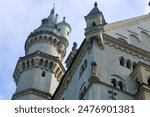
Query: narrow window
point(41, 62)
point(93, 24)
point(134, 65)
point(85, 64)
point(46, 64)
point(32, 62)
point(122, 61)
point(128, 64)
point(120, 85)
point(50, 65)
point(114, 82)
point(83, 67)
point(43, 74)
point(23, 65)
point(28, 64)
point(81, 70)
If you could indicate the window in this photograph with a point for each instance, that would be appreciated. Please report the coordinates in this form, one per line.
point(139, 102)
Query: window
point(120, 84)
point(59, 29)
point(41, 62)
point(128, 64)
point(32, 62)
point(83, 67)
point(114, 82)
point(50, 65)
point(23, 65)
point(82, 91)
point(43, 74)
point(85, 64)
point(28, 64)
point(122, 61)
point(93, 24)
point(134, 65)
point(46, 64)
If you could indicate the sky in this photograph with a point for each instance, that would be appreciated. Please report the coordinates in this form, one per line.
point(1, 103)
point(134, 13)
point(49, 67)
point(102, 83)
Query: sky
point(20, 17)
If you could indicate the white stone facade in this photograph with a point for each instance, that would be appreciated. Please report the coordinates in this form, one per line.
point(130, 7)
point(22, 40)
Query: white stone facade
point(105, 67)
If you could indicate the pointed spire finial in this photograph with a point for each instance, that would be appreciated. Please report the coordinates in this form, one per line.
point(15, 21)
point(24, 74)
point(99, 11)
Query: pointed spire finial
point(54, 6)
point(64, 19)
point(53, 9)
point(95, 4)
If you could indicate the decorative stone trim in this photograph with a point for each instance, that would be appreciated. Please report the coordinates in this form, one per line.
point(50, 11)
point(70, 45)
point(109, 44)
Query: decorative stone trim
point(60, 45)
point(32, 91)
point(39, 60)
point(130, 49)
point(93, 79)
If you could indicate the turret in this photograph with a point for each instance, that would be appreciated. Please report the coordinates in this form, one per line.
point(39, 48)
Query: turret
point(94, 25)
point(64, 30)
point(94, 19)
point(38, 73)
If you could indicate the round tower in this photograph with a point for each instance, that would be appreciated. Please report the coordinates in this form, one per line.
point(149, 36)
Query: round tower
point(38, 73)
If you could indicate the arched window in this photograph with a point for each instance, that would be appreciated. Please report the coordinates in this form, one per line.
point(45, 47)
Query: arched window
point(122, 61)
point(28, 64)
point(32, 62)
point(23, 65)
point(41, 62)
point(114, 82)
point(129, 64)
point(46, 64)
point(50, 65)
point(120, 84)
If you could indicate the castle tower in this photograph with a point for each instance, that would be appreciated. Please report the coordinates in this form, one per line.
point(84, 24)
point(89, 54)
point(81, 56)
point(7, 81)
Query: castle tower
point(94, 25)
point(38, 73)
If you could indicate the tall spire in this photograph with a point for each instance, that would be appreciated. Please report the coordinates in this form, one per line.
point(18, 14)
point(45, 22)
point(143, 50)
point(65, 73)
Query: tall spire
point(53, 10)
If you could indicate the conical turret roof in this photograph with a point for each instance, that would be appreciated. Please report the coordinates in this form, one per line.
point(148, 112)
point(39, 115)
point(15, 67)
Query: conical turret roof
point(95, 10)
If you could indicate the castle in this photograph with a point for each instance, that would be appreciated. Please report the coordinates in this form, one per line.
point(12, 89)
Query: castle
point(112, 63)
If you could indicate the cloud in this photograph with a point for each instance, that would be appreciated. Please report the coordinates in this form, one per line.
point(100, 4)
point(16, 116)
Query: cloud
point(1, 97)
